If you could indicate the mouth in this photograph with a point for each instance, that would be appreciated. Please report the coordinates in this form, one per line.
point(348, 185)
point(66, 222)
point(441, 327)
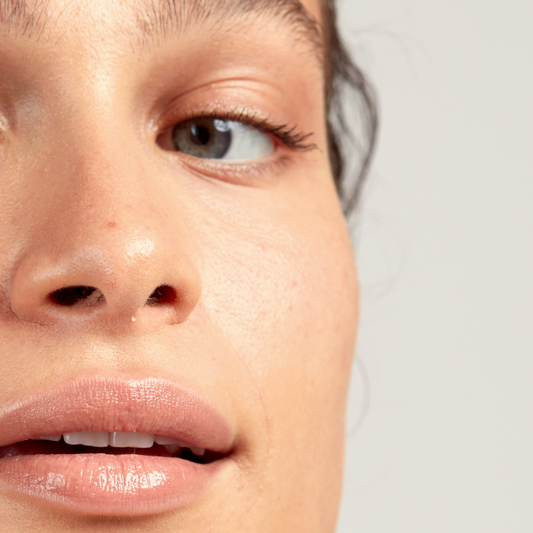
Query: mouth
point(113, 448)
point(114, 443)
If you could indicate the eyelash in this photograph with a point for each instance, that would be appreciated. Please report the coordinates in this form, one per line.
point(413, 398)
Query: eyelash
point(285, 134)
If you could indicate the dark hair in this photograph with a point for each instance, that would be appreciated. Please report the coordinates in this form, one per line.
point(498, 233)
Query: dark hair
point(348, 93)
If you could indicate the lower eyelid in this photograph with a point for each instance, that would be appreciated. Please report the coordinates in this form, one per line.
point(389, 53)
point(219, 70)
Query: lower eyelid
point(238, 172)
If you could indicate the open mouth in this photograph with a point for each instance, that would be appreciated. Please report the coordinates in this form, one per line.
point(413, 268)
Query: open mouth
point(111, 447)
point(114, 443)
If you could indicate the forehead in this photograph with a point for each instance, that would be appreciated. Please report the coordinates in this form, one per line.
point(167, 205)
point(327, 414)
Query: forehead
point(36, 19)
point(37, 7)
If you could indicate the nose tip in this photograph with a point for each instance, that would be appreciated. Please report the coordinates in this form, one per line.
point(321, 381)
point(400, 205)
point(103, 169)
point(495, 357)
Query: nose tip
point(136, 279)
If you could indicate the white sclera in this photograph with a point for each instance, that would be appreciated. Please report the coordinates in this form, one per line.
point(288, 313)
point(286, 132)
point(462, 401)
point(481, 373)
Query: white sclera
point(247, 143)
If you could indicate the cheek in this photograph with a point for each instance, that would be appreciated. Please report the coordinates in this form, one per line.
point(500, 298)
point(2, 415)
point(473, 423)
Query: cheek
point(283, 290)
point(280, 285)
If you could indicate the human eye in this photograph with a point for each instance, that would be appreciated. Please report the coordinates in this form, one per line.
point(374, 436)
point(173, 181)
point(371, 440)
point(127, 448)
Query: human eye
point(234, 138)
point(221, 139)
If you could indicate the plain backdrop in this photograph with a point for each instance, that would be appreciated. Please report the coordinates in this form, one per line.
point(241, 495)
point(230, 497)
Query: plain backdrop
point(440, 416)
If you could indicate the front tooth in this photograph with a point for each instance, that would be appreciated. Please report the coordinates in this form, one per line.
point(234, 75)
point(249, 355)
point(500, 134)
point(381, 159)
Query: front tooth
point(130, 440)
point(53, 438)
point(98, 439)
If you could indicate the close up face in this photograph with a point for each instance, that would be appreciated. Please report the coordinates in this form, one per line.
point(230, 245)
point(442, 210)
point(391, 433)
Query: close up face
point(174, 265)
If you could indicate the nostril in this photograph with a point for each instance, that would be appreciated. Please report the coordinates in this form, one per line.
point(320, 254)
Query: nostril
point(78, 294)
point(164, 294)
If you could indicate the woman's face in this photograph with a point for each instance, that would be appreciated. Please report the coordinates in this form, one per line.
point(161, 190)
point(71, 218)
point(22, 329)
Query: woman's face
point(173, 262)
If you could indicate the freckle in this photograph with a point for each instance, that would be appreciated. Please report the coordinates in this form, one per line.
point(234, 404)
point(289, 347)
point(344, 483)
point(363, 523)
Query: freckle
point(111, 224)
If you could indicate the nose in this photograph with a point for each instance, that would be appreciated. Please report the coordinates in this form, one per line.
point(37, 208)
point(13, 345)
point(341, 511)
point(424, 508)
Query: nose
point(95, 247)
point(112, 281)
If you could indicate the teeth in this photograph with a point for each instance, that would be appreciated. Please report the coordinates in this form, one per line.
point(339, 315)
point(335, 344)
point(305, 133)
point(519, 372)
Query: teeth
point(98, 439)
point(164, 440)
point(173, 445)
point(197, 451)
point(54, 438)
point(172, 448)
point(130, 440)
point(117, 439)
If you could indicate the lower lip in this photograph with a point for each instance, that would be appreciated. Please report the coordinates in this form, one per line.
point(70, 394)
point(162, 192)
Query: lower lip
point(108, 485)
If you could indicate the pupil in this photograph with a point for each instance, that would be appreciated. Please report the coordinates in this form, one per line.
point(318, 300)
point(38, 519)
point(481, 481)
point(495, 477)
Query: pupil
point(200, 135)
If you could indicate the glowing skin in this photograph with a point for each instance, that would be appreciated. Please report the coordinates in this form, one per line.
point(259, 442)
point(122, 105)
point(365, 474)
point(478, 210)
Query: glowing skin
point(233, 280)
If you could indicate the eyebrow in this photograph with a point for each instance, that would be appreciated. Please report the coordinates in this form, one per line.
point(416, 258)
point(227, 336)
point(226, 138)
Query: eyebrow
point(19, 16)
point(176, 15)
point(159, 19)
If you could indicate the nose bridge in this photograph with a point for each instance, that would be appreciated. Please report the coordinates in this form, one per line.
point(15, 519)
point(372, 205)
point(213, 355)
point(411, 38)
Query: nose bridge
point(99, 210)
point(98, 245)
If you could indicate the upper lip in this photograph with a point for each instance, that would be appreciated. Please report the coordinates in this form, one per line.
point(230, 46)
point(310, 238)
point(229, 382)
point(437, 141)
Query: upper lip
point(151, 405)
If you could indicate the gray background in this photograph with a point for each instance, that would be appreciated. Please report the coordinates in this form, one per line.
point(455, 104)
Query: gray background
point(444, 380)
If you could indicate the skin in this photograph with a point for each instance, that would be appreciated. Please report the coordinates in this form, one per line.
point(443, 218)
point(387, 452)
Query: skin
point(258, 253)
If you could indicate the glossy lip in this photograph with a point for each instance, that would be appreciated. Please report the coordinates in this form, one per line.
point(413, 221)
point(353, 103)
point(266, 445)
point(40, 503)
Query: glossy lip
point(100, 484)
